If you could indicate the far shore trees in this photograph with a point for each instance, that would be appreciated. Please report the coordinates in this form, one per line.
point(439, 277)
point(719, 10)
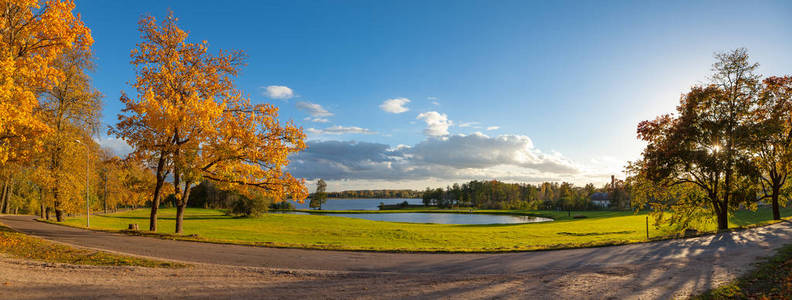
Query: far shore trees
point(191, 122)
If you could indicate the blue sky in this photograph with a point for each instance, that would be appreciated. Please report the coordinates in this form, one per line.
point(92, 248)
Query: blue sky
point(511, 90)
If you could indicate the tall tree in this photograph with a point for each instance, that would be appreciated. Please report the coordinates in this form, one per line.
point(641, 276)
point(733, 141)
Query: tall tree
point(71, 110)
point(320, 196)
point(190, 121)
point(705, 144)
point(33, 34)
point(773, 139)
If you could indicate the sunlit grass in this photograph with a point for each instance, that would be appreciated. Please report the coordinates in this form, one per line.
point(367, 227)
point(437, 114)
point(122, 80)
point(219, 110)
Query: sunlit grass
point(330, 232)
point(25, 246)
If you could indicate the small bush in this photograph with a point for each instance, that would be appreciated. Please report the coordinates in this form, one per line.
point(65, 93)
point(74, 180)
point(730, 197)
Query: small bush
point(250, 207)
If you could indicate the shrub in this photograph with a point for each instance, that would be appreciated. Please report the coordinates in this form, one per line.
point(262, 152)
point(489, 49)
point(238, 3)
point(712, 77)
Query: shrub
point(250, 207)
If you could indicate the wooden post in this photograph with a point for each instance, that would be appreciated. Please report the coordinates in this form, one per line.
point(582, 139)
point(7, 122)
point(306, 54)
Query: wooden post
point(105, 192)
point(647, 227)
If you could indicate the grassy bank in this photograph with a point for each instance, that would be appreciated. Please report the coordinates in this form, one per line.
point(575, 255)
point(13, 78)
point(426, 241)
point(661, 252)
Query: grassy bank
point(329, 232)
point(771, 279)
point(25, 246)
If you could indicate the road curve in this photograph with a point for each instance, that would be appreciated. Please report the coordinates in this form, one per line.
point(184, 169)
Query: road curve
point(727, 251)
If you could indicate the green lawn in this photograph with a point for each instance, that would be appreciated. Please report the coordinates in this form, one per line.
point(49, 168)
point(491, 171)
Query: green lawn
point(330, 232)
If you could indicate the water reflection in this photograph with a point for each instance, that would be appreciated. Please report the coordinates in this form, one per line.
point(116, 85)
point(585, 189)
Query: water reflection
point(442, 218)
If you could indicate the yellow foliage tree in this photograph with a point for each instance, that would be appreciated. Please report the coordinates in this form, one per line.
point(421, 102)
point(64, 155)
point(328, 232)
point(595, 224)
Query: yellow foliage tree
point(191, 121)
point(33, 34)
point(71, 110)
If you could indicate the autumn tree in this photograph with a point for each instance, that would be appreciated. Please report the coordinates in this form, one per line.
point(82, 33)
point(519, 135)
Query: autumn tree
point(33, 34)
point(707, 142)
point(320, 196)
point(71, 110)
point(136, 183)
point(772, 144)
point(190, 120)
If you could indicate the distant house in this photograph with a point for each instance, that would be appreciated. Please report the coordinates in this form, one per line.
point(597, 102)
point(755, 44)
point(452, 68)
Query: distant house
point(600, 199)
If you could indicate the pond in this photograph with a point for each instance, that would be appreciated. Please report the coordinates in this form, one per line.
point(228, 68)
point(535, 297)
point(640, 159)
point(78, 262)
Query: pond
point(436, 218)
point(357, 204)
point(442, 218)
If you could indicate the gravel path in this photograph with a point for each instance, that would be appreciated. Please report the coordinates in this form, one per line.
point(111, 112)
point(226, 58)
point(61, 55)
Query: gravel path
point(664, 269)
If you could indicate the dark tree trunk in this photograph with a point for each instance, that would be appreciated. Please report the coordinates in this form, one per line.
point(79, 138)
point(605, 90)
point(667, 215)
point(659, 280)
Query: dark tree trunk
point(179, 218)
point(776, 206)
point(59, 215)
point(155, 202)
point(46, 212)
point(3, 194)
point(41, 202)
point(57, 205)
point(776, 209)
point(723, 218)
point(181, 205)
point(9, 192)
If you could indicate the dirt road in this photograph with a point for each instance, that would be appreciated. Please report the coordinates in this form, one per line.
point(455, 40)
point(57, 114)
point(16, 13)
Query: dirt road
point(649, 270)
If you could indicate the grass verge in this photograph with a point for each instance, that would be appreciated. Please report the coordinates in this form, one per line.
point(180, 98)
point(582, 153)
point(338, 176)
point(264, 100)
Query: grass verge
point(21, 245)
point(770, 279)
point(599, 228)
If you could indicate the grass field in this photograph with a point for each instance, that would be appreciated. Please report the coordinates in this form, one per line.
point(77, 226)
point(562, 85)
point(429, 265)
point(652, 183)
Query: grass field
point(329, 232)
point(25, 246)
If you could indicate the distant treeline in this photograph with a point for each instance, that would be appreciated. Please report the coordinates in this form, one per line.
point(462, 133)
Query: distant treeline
point(549, 195)
point(376, 194)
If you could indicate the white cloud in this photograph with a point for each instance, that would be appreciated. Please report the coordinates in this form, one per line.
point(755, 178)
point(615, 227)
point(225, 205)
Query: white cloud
point(454, 158)
point(115, 145)
point(469, 124)
point(431, 98)
point(436, 123)
point(395, 106)
point(278, 92)
point(313, 109)
point(435, 103)
point(493, 128)
point(338, 130)
point(316, 120)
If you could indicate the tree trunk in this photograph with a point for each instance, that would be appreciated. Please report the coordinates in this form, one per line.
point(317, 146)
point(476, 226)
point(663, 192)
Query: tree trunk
point(723, 218)
point(57, 205)
point(3, 194)
point(58, 215)
point(155, 202)
point(9, 191)
point(41, 203)
point(776, 209)
point(181, 205)
point(46, 212)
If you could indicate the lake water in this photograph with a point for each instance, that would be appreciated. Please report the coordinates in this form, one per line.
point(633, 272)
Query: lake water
point(437, 218)
point(444, 218)
point(357, 204)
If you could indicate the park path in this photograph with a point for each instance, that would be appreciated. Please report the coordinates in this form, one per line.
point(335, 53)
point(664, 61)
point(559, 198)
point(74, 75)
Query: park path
point(664, 267)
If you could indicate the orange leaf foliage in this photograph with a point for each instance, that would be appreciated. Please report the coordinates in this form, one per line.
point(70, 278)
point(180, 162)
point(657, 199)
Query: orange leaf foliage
point(189, 109)
point(32, 35)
